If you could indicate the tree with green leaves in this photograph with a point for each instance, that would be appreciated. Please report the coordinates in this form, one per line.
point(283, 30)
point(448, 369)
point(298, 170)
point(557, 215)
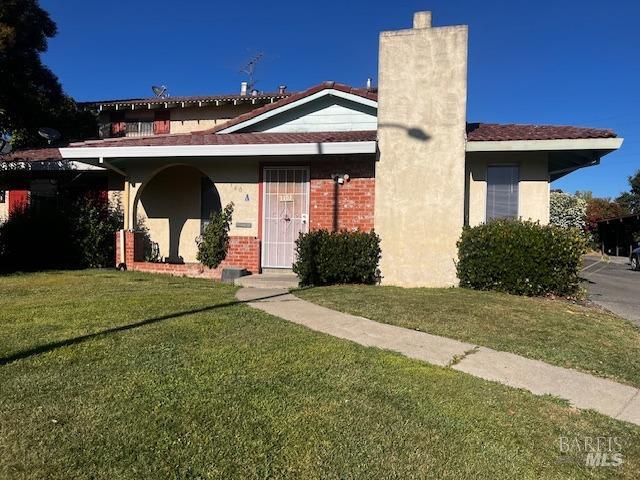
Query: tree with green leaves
point(30, 94)
point(631, 200)
point(568, 211)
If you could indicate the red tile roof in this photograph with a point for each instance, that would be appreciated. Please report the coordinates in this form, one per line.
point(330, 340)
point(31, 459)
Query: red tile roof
point(34, 155)
point(485, 132)
point(53, 154)
point(476, 132)
point(204, 138)
point(361, 92)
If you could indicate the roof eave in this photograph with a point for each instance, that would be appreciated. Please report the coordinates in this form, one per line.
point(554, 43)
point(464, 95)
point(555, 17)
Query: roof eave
point(177, 102)
point(245, 150)
point(601, 144)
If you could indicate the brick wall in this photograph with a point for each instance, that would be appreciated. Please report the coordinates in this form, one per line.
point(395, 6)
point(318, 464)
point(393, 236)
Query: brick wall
point(356, 197)
point(133, 243)
point(244, 252)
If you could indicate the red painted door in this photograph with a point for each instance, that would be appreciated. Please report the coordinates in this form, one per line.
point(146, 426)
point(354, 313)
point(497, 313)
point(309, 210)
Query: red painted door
point(18, 199)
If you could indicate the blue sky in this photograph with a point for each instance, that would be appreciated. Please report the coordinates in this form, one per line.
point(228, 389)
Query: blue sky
point(571, 62)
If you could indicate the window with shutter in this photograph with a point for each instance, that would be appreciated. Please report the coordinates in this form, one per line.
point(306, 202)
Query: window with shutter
point(502, 191)
point(162, 122)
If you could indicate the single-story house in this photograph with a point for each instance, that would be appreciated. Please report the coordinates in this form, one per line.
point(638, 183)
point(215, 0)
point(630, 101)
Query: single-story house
point(401, 159)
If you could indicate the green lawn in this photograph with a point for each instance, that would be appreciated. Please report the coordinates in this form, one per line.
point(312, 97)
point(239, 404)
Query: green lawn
point(555, 331)
point(109, 375)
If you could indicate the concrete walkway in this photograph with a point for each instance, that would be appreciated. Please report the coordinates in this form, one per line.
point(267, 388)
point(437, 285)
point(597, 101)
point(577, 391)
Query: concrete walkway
point(582, 390)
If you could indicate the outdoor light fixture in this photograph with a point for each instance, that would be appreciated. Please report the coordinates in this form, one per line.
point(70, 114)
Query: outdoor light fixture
point(340, 178)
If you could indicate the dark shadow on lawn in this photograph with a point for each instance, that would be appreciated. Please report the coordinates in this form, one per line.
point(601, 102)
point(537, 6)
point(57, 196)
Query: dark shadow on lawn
point(123, 328)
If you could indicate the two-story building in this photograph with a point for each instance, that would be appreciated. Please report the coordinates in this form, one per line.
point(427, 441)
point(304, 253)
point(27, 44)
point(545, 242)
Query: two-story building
point(401, 159)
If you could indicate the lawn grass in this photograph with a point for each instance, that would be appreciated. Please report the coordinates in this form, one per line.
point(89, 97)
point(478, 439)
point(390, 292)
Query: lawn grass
point(229, 392)
point(555, 331)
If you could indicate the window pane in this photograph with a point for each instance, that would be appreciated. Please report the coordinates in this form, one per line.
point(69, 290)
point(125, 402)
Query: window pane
point(502, 192)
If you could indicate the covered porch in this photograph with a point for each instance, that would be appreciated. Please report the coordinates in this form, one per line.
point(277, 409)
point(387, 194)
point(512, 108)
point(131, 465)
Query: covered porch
point(278, 190)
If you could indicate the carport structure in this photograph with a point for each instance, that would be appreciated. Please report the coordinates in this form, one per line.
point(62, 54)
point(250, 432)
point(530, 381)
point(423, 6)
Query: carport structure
point(619, 236)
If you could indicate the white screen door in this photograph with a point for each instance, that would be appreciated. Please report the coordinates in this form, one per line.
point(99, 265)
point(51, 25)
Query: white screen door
point(286, 213)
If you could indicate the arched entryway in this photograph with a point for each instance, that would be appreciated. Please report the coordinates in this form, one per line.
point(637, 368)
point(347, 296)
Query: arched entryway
point(173, 206)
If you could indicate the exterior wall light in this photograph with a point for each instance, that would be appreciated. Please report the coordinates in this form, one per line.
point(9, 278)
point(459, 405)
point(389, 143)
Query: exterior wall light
point(340, 178)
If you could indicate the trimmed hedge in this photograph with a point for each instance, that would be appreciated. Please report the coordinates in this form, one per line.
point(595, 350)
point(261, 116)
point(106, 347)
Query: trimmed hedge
point(328, 258)
point(522, 258)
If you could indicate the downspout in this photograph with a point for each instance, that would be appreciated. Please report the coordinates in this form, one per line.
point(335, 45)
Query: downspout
point(336, 194)
point(127, 208)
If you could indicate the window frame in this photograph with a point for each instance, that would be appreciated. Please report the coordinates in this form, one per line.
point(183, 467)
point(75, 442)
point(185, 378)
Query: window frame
point(515, 166)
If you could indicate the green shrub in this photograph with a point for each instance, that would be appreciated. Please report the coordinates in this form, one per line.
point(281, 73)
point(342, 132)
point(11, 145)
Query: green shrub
point(523, 258)
point(214, 241)
point(326, 258)
point(75, 234)
point(92, 229)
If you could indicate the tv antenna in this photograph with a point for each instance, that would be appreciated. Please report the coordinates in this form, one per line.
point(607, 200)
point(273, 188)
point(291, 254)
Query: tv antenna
point(50, 134)
point(160, 91)
point(250, 68)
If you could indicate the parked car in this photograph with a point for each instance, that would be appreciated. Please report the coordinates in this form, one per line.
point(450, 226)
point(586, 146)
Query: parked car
point(635, 259)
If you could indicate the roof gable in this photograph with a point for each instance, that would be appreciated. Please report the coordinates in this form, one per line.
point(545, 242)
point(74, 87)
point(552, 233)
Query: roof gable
point(328, 106)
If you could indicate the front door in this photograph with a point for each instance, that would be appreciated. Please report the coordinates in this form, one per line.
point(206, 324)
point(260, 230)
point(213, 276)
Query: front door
point(286, 213)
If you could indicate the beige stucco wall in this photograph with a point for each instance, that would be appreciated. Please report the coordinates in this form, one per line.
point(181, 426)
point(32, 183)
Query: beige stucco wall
point(419, 210)
point(170, 189)
point(169, 206)
point(4, 207)
point(185, 120)
point(115, 185)
point(533, 188)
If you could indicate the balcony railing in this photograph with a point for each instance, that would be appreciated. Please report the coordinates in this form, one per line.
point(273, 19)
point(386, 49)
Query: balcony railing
point(138, 129)
point(126, 129)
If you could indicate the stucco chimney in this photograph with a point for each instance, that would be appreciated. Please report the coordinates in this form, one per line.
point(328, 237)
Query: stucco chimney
point(420, 173)
point(422, 20)
point(243, 88)
point(282, 89)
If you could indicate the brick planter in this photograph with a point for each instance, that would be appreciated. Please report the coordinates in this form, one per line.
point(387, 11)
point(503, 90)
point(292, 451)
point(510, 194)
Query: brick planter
point(244, 252)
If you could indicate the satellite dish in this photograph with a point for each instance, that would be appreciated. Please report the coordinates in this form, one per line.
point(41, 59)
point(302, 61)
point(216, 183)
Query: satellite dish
point(51, 134)
point(5, 146)
point(160, 91)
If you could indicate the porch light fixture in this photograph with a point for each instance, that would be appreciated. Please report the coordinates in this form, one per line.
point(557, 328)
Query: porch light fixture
point(340, 178)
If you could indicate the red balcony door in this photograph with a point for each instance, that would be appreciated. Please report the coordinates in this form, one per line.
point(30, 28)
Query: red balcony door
point(161, 122)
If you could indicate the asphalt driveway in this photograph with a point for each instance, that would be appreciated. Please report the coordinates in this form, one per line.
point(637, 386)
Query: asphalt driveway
point(613, 285)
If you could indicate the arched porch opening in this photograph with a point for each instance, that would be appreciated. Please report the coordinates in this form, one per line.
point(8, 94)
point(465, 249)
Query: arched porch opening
point(172, 207)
